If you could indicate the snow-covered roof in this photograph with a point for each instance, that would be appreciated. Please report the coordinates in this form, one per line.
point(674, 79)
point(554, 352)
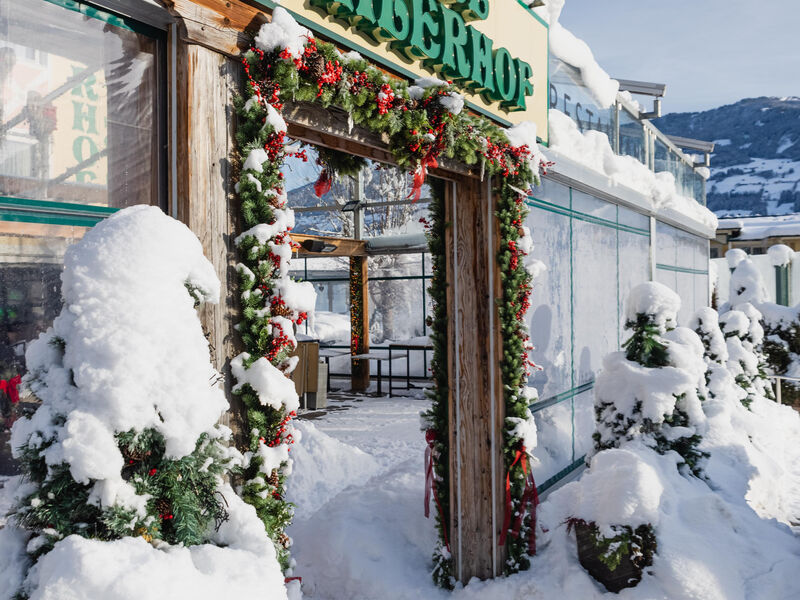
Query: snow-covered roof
point(759, 228)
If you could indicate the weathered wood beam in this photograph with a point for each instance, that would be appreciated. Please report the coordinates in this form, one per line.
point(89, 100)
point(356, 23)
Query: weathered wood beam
point(476, 437)
point(206, 201)
point(225, 26)
point(342, 246)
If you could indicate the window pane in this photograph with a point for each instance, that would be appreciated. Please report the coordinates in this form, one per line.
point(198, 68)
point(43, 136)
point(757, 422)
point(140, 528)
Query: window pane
point(77, 103)
point(31, 257)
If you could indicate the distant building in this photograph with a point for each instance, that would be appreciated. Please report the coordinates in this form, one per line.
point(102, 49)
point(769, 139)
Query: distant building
point(755, 235)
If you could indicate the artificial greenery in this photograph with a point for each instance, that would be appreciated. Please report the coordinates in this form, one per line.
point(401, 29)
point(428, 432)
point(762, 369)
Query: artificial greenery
point(421, 131)
point(339, 163)
point(183, 505)
point(437, 418)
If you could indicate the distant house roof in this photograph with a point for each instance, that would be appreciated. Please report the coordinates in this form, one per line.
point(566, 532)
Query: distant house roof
point(759, 228)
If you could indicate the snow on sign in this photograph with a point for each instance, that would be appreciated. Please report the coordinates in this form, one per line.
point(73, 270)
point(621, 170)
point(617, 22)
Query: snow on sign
point(496, 52)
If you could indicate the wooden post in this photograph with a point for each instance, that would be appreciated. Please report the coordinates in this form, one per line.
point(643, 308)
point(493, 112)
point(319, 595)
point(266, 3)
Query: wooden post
point(206, 201)
point(359, 322)
point(477, 410)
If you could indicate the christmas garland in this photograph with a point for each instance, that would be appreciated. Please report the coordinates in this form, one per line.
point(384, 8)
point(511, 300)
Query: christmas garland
point(356, 306)
point(423, 125)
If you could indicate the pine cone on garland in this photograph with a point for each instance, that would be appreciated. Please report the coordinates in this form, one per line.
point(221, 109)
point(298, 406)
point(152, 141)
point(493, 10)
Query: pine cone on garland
point(163, 506)
point(281, 310)
point(273, 479)
point(316, 65)
point(284, 540)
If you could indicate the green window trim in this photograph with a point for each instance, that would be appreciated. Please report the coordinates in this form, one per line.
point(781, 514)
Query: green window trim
point(107, 17)
point(25, 210)
point(570, 212)
point(782, 280)
point(561, 475)
point(676, 269)
point(558, 398)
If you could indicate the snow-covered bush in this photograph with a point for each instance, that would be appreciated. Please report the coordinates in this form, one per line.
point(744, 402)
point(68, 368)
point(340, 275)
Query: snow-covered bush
point(652, 390)
point(744, 337)
point(777, 344)
point(124, 460)
point(720, 382)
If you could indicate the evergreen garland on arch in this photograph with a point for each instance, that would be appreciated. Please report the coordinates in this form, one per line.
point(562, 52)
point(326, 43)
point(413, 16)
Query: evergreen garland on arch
point(421, 130)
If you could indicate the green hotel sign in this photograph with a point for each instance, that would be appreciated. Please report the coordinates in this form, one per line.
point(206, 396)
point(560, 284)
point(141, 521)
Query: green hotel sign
point(436, 32)
point(495, 51)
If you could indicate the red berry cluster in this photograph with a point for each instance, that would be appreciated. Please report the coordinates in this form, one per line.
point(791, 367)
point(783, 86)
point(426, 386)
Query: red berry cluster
point(278, 342)
point(332, 74)
point(282, 437)
point(385, 99)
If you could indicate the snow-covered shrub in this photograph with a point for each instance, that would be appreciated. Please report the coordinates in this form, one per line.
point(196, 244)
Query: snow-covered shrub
point(744, 337)
point(720, 382)
point(652, 389)
point(125, 449)
point(779, 347)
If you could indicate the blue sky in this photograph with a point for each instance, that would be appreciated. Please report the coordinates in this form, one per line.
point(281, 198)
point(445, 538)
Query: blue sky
point(708, 52)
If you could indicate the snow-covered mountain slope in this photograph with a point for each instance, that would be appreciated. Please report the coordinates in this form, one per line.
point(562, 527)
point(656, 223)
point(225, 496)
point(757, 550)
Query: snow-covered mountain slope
point(755, 169)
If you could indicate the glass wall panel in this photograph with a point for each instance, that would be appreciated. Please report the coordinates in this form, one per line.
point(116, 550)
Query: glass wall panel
point(666, 244)
point(632, 141)
point(634, 259)
point(554, 440)
point(553, 193)
point(584, 423)
point(549, 317)
point(331, 278)
point(595, 316)
point(78, 102)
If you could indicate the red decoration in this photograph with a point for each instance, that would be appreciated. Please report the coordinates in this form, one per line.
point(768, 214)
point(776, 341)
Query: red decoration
point(323, 184)
point(529, 496)
point(10, 387)
point(430, 484)
point(153, 472)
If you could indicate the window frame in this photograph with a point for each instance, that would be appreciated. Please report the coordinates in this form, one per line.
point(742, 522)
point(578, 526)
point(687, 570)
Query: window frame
point(28, 210)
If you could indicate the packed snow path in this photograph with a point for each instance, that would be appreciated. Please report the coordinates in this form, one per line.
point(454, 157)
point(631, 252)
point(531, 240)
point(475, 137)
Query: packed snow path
point(359, 532)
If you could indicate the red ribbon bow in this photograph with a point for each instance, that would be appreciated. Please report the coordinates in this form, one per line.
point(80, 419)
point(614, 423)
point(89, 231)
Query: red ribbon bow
point(430, 484)
point(421, 174)
point(323, 184)
point(529, 496)
point(10, 387)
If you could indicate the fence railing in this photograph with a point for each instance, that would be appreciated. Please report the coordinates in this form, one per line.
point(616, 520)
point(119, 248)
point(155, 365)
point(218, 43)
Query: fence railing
point(777, 379)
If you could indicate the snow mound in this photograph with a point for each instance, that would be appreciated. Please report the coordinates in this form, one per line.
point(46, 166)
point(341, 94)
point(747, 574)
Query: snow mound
point(593, 150)
point(654, 299)
point(780, 255)
point(620, 488)
point(709, 548)
point(134, 355)
point(131, 569)
point(323, 467)
point(282, 32)
point(735, 256)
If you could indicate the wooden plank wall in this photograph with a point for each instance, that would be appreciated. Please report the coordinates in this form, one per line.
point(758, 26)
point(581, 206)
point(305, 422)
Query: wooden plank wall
point(475, 437)
point(206, 201)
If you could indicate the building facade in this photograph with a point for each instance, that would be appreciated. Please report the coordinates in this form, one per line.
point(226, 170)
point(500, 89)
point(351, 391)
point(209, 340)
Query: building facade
point(106, 104)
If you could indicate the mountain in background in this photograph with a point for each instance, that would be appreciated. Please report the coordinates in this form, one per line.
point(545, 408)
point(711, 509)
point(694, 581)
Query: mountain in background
point(755, 168)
